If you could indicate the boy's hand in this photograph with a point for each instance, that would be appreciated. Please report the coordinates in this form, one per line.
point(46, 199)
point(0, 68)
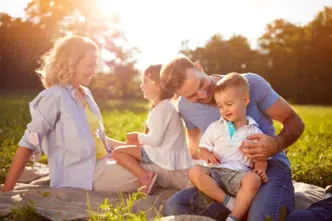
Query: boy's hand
point(132, 138)
point(208, 156)
point(262, 175)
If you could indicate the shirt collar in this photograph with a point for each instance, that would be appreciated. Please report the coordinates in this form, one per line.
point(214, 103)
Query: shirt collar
point(71, 89)
point(251, 121)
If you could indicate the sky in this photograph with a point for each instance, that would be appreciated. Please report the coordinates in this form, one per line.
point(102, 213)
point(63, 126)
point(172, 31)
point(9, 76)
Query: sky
point(157, 27)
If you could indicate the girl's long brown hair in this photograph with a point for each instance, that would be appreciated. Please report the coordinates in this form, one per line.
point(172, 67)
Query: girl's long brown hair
point(153, 73)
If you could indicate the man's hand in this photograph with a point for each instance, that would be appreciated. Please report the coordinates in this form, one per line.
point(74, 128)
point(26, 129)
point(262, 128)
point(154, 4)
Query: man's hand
point(208, 156)
point(259, 147)
point(132, 138)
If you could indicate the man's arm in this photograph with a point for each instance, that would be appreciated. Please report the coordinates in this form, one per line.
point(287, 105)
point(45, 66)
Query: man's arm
point(292, 123)
point(193, 138)
point(267, 146)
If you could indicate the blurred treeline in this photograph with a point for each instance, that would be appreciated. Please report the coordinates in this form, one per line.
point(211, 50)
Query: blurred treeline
point(24, 40)
point(295, 59)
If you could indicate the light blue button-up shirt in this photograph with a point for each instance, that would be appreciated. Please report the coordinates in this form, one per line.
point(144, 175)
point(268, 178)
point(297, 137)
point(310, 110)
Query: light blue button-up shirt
point(65, 136)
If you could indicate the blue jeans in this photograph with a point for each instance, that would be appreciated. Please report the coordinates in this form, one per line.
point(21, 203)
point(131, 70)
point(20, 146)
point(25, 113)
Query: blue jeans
point(277, 192)
point(320, 211)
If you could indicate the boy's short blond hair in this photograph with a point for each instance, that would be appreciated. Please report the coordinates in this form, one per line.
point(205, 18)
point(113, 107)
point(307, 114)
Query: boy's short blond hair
point(232, 80)
point(58, 65)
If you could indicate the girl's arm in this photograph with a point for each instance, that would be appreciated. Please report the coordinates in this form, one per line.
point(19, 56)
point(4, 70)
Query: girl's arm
point(20, 159)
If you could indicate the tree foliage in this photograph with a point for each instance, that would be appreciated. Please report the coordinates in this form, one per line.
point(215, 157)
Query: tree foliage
point(24, 41)
point(295, 59)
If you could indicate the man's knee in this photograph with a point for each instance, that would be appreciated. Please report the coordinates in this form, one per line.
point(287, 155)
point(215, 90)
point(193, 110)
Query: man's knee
point(171, 208)
point(269, 201)
point(176, 204)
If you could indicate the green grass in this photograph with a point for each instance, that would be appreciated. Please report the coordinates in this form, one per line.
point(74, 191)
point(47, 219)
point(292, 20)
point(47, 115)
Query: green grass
point(123, 211)
point(311, 155)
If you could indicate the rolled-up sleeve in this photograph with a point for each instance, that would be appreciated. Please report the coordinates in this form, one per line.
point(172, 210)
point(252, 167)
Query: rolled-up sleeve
point(44, 114)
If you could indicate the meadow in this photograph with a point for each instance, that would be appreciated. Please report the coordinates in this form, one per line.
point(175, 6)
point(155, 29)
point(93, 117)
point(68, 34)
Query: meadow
point(310, 156)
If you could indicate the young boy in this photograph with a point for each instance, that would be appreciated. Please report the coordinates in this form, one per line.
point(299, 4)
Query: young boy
point(226, 166)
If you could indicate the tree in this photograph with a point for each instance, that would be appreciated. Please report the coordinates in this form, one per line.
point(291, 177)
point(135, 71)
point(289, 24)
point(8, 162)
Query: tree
point(223, 56)
point(22, 44)
point(47, 20)
point(320, 56)
point(286, 47)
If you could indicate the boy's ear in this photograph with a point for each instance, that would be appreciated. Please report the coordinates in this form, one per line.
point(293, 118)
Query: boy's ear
point(246, 100)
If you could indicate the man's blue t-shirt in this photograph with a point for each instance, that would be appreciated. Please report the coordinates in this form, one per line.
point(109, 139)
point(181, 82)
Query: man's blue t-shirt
point(262, 96)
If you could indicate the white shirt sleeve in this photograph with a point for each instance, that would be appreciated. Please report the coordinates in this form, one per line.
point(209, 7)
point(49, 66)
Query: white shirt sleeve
point(157, 123)
point(207, 141)
point(255, 130)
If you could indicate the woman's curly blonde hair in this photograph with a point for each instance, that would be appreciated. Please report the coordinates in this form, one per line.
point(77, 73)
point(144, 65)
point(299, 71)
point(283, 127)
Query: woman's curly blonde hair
point(58, 65)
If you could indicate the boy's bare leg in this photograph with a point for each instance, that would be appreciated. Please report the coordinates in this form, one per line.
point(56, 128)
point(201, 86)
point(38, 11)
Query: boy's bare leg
point(201, 178)
point(129, 157)
point(250, 184)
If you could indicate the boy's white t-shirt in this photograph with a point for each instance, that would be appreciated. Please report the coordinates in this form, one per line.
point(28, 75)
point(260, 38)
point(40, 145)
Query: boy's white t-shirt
point(217, 139)
point(165, 142)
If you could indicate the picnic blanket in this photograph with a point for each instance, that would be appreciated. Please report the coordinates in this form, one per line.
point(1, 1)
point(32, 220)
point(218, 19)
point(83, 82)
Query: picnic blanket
point(71, 203)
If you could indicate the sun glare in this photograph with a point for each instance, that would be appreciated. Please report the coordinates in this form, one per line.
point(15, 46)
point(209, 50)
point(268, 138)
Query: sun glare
point(109, 7)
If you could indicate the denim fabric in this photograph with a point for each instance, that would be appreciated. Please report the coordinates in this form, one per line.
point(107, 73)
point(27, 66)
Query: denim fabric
point(277, 192)
point(193, 202)
point(320, 211)
point(145, 157)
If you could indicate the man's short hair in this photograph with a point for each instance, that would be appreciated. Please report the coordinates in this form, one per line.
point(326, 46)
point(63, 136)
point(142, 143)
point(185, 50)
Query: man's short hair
point(173, 74)
point(232, 80)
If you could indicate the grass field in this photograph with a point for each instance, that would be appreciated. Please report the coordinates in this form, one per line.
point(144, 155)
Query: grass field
point(311, 155)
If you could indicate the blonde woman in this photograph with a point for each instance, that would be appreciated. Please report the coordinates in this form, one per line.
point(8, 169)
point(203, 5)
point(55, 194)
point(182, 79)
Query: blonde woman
point(66, 122)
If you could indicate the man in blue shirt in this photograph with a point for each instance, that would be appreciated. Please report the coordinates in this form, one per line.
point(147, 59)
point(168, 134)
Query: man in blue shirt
point(197, 108)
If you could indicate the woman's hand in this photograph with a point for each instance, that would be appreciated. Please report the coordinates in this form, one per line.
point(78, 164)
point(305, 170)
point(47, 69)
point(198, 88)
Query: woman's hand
point(208, 156)
point(132, 138)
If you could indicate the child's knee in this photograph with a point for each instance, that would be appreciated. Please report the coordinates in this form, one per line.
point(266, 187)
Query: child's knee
point(115, 154)
point(195, 171)
point(251, 180)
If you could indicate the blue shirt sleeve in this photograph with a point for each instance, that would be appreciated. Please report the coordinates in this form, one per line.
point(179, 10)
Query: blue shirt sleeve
point(44, 114)
point(261, 91)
